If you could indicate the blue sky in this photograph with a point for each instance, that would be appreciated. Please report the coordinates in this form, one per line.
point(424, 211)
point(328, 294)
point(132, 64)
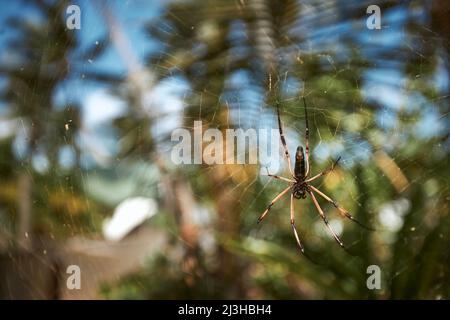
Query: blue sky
point(99, 106)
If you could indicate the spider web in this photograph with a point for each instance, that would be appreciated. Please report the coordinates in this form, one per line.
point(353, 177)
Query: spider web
point(379, 131)
point(389, 112)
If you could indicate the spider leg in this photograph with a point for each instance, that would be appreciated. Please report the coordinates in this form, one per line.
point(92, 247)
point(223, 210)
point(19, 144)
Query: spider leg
point(324, 218)
point(293, 226)
point(341, 210)
point(278, 177)
point(306, 139)
point(324, 172)
point(272, 203)
point(283, 141)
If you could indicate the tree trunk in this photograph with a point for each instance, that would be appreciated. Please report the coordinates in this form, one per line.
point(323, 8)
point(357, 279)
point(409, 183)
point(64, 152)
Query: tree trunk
point(24, 210)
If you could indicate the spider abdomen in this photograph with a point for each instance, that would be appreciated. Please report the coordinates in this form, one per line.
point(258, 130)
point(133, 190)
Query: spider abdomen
point(299, 168)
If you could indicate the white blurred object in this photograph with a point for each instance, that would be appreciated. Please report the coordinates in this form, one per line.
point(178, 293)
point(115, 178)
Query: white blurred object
point(129, 214)
point(391, 214)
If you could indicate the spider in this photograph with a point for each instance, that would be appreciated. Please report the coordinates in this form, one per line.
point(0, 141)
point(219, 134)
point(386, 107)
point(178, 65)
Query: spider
point(300, 183)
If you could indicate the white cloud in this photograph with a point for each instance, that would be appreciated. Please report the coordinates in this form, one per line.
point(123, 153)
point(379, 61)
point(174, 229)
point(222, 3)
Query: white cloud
point(100, 106)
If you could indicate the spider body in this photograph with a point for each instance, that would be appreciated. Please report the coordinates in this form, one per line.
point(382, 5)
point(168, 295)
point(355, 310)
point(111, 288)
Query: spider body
point(300, 183)
point(300, 166)
point(299, 189)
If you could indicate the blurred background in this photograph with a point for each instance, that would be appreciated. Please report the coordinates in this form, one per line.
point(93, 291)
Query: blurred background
point(86, 176)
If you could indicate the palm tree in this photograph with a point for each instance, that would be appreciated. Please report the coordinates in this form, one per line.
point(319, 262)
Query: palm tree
point(41, 58)
point(238, 59)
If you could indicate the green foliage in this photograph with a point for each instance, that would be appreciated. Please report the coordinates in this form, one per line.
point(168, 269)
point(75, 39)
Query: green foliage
point(240, 59)
point(413, 259)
